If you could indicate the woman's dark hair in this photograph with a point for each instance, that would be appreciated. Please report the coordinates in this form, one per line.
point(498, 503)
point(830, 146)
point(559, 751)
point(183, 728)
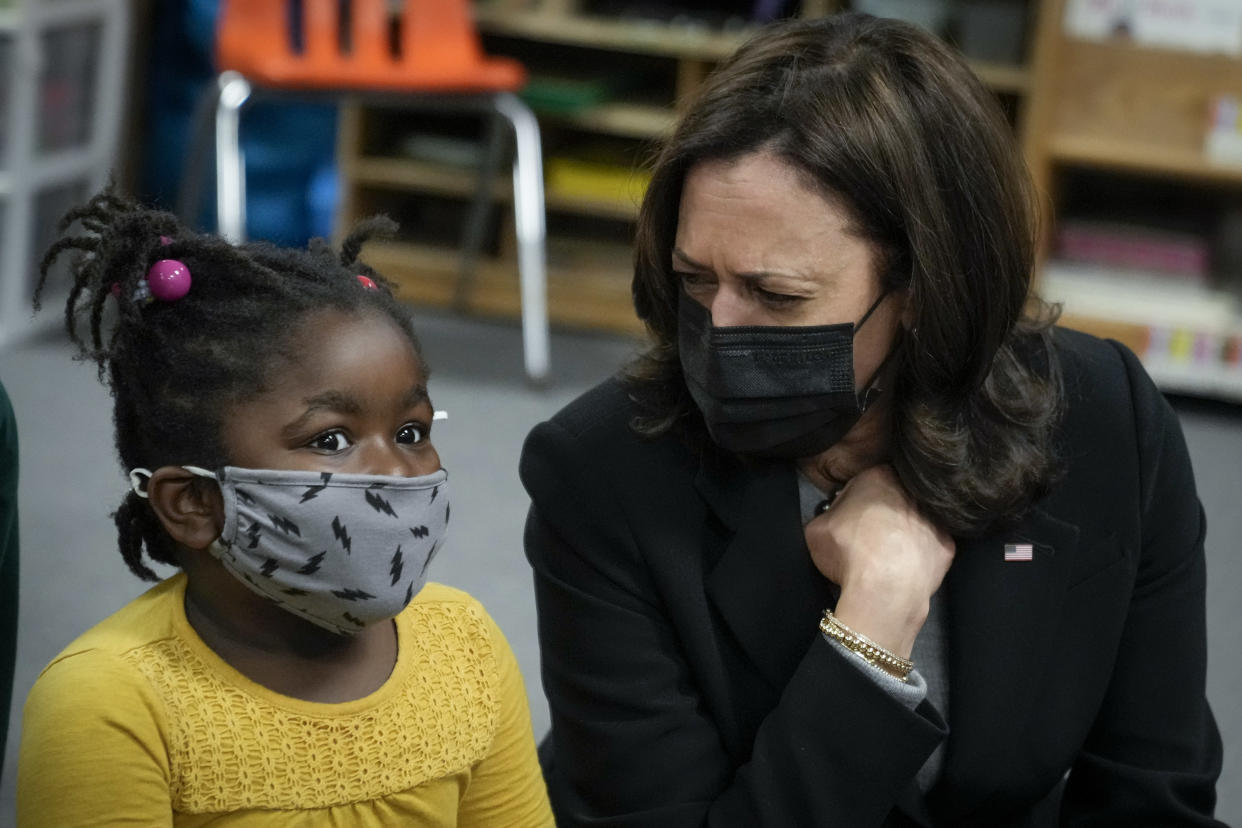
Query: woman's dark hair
point(176, 368)
point(884, 117)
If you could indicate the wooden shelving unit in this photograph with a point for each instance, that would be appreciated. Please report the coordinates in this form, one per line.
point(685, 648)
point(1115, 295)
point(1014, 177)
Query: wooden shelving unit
point(583, 279)
point(568, 28)
point(1137, 114)
point(627, 120)
point(1113, 108)
point(588, 277)
point(1142, 159)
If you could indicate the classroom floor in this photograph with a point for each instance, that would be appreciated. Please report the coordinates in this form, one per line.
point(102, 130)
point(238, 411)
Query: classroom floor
point(72, 575)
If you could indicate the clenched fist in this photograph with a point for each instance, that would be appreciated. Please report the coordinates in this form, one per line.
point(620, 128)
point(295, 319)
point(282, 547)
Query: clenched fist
point(886, 556)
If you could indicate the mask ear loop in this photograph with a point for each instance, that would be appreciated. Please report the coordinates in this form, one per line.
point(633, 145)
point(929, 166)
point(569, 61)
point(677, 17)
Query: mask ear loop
point(218, 547)
point(870, 392)
point(139, 479)
point(870, 311)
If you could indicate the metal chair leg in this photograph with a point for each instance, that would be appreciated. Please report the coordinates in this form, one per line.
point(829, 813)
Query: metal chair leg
point(477, 222)
point(234, 90)
point(530, 221)
point(199, 152)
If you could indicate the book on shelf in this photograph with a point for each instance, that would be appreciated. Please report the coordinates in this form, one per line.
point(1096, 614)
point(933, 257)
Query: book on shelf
point(1130, 248)
point(1191, 332)
point(1138, 297)
point(1206, 26)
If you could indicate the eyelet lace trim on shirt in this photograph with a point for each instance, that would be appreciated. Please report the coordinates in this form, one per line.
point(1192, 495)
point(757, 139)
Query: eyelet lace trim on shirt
point(229, 750)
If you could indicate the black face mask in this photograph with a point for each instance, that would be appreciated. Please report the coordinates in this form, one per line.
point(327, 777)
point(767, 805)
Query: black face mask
point(773, 391)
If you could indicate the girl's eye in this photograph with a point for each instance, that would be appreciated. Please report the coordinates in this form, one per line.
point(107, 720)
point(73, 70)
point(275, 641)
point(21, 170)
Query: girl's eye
point(411, 434)
point(331, 441)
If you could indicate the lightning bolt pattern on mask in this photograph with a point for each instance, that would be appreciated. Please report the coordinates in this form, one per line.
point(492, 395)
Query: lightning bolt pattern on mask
point(379, 504)
point(252, 535)
point(328, 547)
point(339, 532)
point(312, 565)
point(284, 525)
point(396, 567)
point(311, 491)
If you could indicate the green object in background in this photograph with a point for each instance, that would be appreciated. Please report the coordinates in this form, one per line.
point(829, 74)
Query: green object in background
point(565, 96)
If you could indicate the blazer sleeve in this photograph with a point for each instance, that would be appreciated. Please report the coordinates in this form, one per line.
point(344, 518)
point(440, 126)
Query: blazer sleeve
point(1154, 753)
point(634, 743)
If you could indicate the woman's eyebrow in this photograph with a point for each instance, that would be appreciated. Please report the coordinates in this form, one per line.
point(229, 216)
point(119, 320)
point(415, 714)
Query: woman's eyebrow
point(678, 254)
point(749, 276)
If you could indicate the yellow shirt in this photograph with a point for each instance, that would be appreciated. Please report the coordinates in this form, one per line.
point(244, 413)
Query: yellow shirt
point(139, 723)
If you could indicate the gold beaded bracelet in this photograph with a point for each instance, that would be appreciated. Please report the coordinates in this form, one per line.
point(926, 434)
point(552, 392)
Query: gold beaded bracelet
point(857, 643)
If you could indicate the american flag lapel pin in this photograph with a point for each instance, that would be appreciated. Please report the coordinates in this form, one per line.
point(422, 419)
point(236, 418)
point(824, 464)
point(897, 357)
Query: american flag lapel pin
point(1019, 552)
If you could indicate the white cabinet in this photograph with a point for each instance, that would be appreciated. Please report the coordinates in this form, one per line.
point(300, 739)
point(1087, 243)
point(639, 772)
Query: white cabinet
point(62, 73)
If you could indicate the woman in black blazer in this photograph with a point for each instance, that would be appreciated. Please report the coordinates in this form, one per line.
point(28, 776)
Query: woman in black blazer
point(863, 539)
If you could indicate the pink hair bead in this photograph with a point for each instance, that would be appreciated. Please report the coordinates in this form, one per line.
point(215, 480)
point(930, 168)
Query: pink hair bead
point(366, 281)
point(169, 280)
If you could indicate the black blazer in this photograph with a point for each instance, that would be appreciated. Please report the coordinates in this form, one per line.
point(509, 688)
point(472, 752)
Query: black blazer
point(689, 684)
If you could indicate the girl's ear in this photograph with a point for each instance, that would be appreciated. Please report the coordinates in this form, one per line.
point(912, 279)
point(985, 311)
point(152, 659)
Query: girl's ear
point(190, 507)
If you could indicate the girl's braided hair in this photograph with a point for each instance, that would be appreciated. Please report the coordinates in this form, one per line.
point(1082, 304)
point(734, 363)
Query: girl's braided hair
point(176, 368)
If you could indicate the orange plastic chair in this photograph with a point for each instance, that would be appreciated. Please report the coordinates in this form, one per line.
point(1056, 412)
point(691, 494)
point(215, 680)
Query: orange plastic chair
point(438, 47)
point(347, 49)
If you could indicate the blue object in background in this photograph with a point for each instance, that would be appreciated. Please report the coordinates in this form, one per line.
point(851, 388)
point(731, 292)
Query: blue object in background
point(291, 182)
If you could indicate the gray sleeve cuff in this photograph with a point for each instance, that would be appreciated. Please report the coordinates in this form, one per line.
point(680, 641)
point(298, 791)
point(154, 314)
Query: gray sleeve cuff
point(910, 692)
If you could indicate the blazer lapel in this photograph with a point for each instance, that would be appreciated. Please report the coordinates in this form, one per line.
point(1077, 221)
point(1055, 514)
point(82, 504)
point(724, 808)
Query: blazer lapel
point(764, 585)
point(1000, 640)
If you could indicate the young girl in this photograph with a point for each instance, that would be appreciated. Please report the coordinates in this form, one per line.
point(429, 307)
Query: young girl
point(272, 414)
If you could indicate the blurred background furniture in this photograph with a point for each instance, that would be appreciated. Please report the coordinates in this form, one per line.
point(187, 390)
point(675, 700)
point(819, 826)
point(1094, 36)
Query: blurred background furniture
point(607, 79)
point(1129, 123)
point(420, 55)
point(62, 70)
point(1133, 141)
point(1142, 220)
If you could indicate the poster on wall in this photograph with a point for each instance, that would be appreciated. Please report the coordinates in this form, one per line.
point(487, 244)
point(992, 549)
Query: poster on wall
point(1208, 26)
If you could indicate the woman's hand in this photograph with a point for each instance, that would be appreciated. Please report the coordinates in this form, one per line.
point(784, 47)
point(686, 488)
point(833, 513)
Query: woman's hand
point(885, 555)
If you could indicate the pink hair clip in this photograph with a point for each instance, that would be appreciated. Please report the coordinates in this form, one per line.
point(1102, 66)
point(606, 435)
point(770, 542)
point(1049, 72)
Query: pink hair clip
point(168, 280)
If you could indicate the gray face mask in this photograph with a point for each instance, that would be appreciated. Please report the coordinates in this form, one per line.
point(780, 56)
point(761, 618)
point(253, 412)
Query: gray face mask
point(343, 551)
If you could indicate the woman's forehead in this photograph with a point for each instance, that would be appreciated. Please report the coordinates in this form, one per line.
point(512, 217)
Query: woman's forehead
point(756, 213)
